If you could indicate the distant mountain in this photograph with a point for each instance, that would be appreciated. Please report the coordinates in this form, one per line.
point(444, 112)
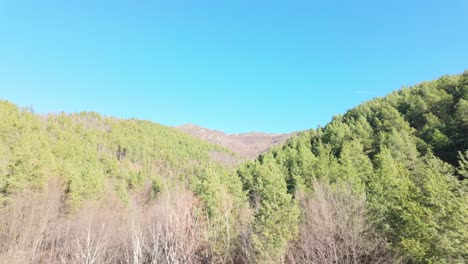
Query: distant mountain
point(246, 145)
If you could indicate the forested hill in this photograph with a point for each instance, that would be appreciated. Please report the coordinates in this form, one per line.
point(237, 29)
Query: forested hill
point(92, 153)
point(383, 183)
point(398, 162)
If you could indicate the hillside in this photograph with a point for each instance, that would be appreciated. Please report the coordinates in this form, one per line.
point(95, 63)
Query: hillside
point(389, 166)
point(72, 183)
point(90, 152)
point(383, 183)
point(246, 145)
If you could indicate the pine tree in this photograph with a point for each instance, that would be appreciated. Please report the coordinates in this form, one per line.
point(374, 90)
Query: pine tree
point(275, 212)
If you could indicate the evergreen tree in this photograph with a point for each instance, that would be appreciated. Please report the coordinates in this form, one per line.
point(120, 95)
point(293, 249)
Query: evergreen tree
point(275, 212)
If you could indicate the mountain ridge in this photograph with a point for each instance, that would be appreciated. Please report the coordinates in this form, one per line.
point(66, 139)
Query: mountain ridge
point(246, 145)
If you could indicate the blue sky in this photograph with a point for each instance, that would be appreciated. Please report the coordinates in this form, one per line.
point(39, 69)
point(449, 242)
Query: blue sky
point(236, 66)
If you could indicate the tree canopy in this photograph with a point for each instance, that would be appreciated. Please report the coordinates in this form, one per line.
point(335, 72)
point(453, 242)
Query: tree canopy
point(402, 153)
point(401, 160)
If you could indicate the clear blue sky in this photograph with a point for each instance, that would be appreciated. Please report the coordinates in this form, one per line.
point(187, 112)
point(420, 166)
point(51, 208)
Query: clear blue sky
point(236, 66)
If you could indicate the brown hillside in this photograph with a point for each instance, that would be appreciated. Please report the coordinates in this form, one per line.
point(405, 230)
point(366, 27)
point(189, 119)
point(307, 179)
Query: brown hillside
point(246, 145)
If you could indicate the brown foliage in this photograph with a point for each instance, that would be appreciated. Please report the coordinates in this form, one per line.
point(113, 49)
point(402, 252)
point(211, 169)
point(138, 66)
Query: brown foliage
point(169, 231)
point(35, 229)
point(25, 224)
point(92, 235)
point(246, 146)
point(334, 230)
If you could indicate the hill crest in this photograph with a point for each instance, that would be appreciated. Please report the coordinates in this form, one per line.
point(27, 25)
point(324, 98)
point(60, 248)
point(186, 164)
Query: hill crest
point(246, 145)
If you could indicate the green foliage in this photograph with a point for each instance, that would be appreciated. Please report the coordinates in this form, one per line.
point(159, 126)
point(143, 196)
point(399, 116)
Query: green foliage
point(400, 151)
point(95, 156)
point(463, 168)
point(223, 198)
point(26, 161)
point(438, 110)
point(276, 214)
point(406, 152)
point(92, 153)
point(355, 167)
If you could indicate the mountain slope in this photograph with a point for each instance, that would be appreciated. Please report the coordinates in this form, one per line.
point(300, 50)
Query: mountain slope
point(399, 153)
point(90, 152)
point(379, 184)
point(82, 182)
point(246, 145)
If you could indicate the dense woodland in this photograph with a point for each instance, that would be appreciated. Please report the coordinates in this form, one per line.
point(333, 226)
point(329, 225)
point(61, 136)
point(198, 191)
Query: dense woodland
point(383, 183)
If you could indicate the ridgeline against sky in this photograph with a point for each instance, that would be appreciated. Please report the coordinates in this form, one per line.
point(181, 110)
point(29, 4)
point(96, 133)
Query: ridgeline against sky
point(385, 182)
point(235, 66)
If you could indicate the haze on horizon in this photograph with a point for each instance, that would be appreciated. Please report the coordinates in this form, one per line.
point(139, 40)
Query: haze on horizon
point(236, 67)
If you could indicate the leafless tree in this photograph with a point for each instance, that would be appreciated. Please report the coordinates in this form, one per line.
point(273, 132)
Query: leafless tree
point(38, 228)
point(168, 231)
point(335, 230)
point(92, 235)
point(244, 253)
point(26, 222)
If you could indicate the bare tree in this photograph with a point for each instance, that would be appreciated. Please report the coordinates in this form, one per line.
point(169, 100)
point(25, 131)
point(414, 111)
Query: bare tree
point(244, 253)
point(169, 231)
point(335, 230)
point(36, 228)
point(91, 235)
point(24, 224)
